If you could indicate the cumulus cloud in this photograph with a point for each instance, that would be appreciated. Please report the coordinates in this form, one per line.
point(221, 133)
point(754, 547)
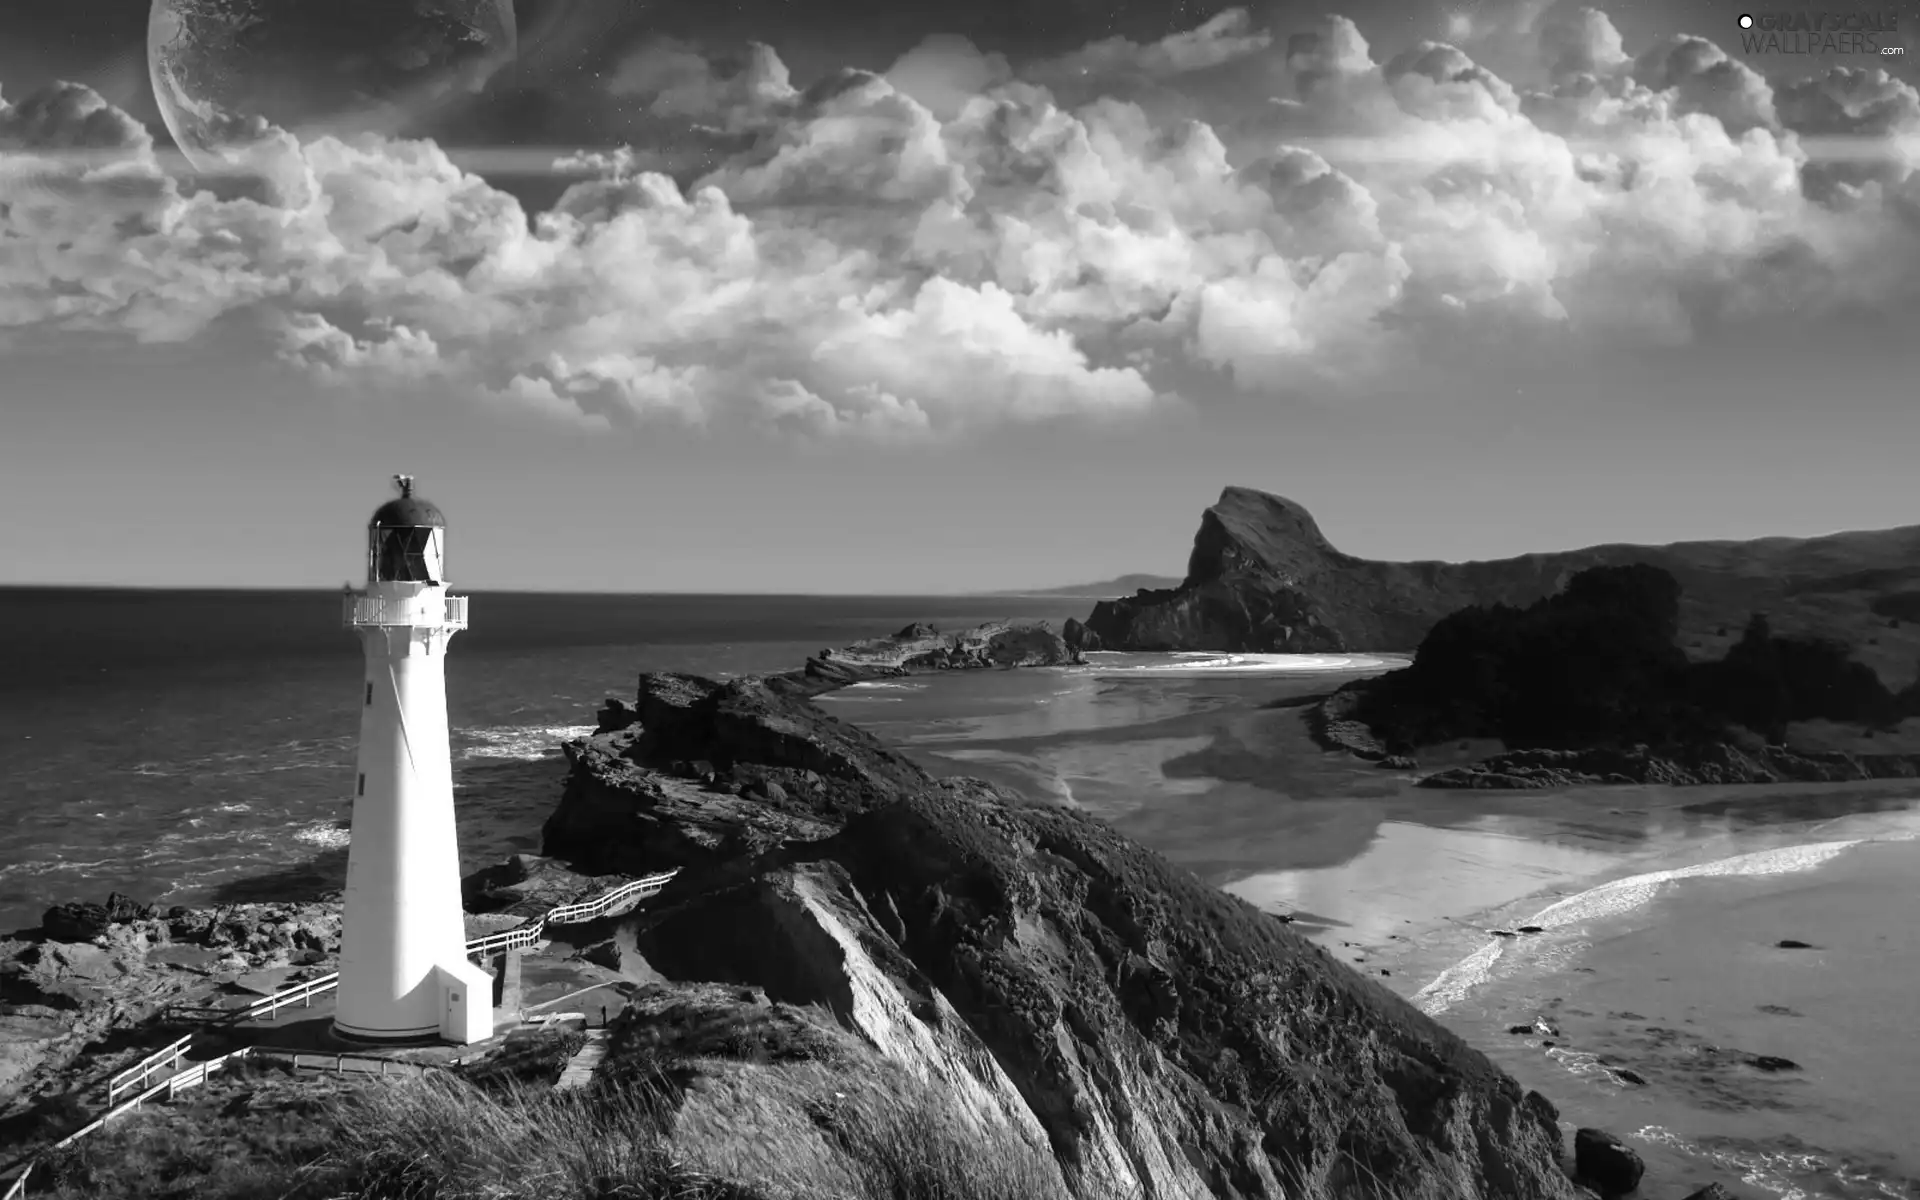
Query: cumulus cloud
point(961, 241)
point(946, 71)
point(1580, 42)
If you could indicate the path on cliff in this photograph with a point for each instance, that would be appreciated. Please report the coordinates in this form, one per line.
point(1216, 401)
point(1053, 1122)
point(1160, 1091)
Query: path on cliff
point(581, 1066)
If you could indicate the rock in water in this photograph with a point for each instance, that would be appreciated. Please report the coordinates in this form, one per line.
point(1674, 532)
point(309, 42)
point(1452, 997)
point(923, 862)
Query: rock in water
point(1606, 1162)
point(1079, 638)
point(1713, 1191)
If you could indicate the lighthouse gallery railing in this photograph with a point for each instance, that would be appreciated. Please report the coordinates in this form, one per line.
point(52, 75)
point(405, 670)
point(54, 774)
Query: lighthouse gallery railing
point(358, 609)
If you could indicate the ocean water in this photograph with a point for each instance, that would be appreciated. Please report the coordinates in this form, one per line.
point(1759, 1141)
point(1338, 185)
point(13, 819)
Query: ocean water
point(187, 747)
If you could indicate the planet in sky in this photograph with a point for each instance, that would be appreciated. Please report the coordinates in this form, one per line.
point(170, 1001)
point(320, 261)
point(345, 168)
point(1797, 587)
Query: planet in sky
point(226, 73)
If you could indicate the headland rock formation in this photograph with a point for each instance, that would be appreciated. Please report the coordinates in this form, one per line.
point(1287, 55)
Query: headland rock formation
point(1262, 577)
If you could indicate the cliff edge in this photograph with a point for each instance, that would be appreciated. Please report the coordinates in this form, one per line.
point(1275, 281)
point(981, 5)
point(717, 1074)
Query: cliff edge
point(1262, 577)
point(1155, 1037)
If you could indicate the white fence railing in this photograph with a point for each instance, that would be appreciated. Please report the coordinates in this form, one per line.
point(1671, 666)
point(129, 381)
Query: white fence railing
point(517, 938)
point(198, 1073)
point(170, 1087)
point(522, 936)
point(135, 1077)
point(169, 1057)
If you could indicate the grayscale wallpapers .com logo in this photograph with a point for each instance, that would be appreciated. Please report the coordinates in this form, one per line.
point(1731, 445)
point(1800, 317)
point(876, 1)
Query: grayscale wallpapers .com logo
point(1802, 31)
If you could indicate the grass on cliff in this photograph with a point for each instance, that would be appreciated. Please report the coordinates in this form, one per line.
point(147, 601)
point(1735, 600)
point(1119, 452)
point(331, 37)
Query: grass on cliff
point(530, 1057)
point(870, 1136)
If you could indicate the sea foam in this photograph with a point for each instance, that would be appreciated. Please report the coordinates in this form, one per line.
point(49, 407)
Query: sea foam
point(519, 741)
point(1454, 984)
point(1207, 663)
point(328, 835)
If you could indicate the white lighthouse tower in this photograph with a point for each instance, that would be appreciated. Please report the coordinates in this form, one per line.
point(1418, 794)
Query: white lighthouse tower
point(404, 973)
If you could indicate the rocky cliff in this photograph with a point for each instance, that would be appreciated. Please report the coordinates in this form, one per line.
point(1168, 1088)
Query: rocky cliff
point(922, 647)
point(1262, 577)
point(1158, 1037)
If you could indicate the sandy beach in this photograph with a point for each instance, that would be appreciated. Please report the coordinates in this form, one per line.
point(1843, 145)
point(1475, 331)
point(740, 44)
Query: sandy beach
point(1660, 910)
point(1699, 981)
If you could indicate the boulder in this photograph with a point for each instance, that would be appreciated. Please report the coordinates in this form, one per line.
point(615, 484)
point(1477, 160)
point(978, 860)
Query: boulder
point(765, 789)
point(1606, 1162)
point(1772, 1062)
point(84, 921)
point(1079, 638)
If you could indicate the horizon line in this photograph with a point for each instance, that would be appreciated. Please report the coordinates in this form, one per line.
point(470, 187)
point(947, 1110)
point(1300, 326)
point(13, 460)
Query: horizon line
point(1063, 592)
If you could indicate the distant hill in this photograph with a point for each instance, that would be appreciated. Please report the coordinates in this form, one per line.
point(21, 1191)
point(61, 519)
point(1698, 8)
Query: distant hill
point(1124, 585)
point(1262, 577)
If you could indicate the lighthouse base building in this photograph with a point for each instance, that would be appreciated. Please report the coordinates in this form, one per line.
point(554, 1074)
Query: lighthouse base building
point(404, 972)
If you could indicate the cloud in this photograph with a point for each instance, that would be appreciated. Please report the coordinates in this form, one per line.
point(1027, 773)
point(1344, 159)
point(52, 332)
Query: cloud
point(961, 242)
point(674, 80)
point(945, 71)
point(1580, 42)
point(1700, 78)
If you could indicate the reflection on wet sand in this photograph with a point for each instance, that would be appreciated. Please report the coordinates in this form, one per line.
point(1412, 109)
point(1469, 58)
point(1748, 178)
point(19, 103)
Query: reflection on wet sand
point(1411, 869)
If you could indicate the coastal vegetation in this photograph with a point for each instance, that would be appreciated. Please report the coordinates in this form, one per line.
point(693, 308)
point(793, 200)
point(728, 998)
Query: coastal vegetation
point(263, 1135)
point(1599, 664)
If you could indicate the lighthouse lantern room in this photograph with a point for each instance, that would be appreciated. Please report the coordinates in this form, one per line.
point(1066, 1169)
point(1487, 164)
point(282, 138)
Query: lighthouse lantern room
point(404, 972)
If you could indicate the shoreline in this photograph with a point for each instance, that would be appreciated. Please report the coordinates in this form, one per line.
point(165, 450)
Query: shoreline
point(1696, 1011)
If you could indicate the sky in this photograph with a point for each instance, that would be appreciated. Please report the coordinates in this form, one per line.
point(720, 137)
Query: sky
point(921, 298)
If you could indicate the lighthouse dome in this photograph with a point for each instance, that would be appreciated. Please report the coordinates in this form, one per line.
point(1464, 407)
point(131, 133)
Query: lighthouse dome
point(406, 540)
point(408, 512)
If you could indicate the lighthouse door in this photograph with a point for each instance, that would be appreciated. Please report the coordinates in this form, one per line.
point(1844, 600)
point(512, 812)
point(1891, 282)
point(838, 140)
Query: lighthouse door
point(458, 998)
point(466, 1007)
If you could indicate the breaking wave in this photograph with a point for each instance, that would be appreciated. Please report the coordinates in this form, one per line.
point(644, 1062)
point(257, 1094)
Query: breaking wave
point(327, 835)
point(1781, 1167)
point(518, 741)
point(1455, 983)
point(1207, 663)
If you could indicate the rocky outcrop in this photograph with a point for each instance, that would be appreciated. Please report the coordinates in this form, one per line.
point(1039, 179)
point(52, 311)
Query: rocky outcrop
point(1332, 722)
point(921, 647)
point(1714, 762)
point(661, 784)
point(1262, 577)
point(82, 921)
point(59, 998)
point(1163, 1039)
point(1606, 1162)
point(527, 885)
point(1079, 638)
